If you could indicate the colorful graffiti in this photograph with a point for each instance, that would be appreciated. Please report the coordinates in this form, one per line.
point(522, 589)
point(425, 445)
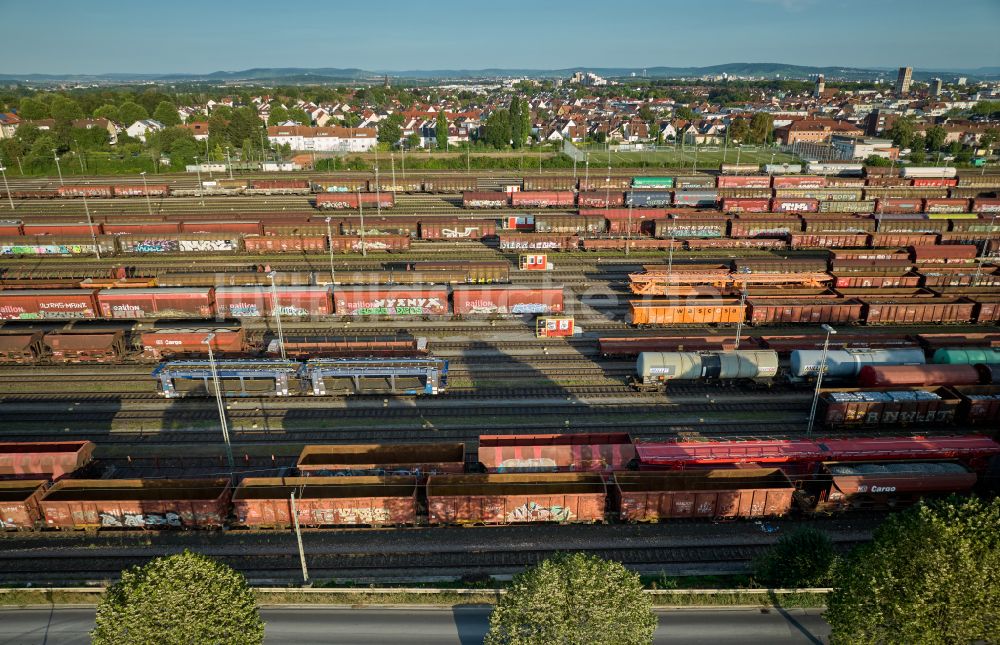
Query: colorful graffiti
point(534, 512)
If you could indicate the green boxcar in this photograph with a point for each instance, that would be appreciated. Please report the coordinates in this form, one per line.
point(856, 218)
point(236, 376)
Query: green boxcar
point(652, 182)
point(966, 356)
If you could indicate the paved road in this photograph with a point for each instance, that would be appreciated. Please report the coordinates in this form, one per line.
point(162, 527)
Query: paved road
point(461, 626)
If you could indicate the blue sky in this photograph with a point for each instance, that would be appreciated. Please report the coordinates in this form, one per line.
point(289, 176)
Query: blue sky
point(63, 36)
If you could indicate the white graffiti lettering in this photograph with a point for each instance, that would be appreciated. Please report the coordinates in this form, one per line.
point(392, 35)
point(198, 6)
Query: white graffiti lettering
point(534, 512)
point(540, 463)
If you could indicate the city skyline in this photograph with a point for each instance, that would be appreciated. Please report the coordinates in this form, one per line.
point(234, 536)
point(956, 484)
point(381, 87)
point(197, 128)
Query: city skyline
point(188, 39)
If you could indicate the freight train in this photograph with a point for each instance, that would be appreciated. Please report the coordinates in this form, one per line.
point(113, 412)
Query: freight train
point(528, 479)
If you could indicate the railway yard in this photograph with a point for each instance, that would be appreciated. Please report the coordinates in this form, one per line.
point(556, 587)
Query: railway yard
point(468, 373)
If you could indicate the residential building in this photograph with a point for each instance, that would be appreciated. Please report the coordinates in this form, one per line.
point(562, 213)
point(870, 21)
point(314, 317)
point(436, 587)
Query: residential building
point(814, 131)
point(330, 139)
point(140, 129)
point(198, 128)
point(8, 124)
point(935, 87)
point(903, 80)
point(854, 147)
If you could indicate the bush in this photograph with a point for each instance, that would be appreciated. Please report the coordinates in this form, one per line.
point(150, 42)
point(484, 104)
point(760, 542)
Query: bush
point(803, 558)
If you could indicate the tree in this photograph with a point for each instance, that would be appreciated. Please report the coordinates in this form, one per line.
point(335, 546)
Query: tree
point(901, 132)
point(278, 115)
point(131, 112)
point(33, 109)
point(413, 141)
point(739, 131)
point(684, 112)
point(802, 558)
point(65, 110)
point(186, 598)
point(931, 575)
point(761, 126)
point(990, 137)
point(917, 147)
point(573, 599)
point(517, 134)
point(166, 113)
point(441, 130)
point(300, 115)
point(109, 112)
point(498, 131)
point(390, 129)
point(875, 160)
point(935, 137)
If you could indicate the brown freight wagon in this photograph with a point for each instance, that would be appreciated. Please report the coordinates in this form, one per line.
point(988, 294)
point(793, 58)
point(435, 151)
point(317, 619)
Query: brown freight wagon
point(19, 504)
point(987, 307)
point(370, 243)
point(137, 503)
point(944, 254)
point(911, 224)
point(632, 346)
point(601, 199)
point(779, 227)
point(491, 199)
point(555, 452)
point(619, 244)
point(845, 408)
point(900, 240)
point(736, 243)
point(83, 347)
point(449, 183)
point(417, 459)
point(687, 312)
point(863, 281)
point(725, 493)
point(827, 224)
point(51, 459)
point(598, 184)
point(911, 311)
point(265, 502)
point(869, 254)
point(979, 404)
point(871, 267)
point(934, 278)
point(47, 304)
point(844, 486)
point(790, 265)
point(340, 347)
point(486, 271)
point(457, 229)
point(516, 498)
point(22, 349)
point(836, 312)
point(550, 182)
point(538, 242)
point(285, 244)
point(158, 345)
point(828, 240)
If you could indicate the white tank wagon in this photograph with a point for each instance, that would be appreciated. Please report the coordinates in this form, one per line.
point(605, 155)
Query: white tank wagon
point(655, 369)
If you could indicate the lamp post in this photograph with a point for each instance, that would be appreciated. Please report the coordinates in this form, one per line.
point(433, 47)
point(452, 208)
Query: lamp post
point(55, 156)
point(298, 538)
point(329, 237)
point(361, 214)
point(743, 308)
point(229, 161)
point(219, 403)
point(201, 192)
point(90, 223)
point(819, 378)
point(982, 258)
point(10, 198)
point(145, 189)
point(628, 231)
point(277, 314)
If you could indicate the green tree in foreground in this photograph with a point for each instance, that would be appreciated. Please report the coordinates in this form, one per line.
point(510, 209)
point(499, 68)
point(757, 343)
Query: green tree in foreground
point(441, 130)
point(802, 558)
point(931, 576)
point(573, 599)
point(186, 598)
point(875, 160)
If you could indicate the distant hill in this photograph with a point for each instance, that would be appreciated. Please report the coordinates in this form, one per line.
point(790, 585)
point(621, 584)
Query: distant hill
point(302, 75)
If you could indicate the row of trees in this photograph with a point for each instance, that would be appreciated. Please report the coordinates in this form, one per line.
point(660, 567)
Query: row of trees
point(510, 127)
point(903, 134)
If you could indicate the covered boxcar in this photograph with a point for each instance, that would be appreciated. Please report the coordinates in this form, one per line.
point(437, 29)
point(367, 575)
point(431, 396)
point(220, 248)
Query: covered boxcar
point(506, 299)
point(391, 301)
point(48, 304)
point(516, 498)
point(160, 302)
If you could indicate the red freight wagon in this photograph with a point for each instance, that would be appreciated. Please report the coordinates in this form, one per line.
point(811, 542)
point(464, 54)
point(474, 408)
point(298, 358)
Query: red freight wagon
point(82, 347)
point(835, 312)
point(48, 304)
point(141, 190)
point(601, 199)
point(862, 281)
point(946, 205)
point(242, 302)
point(279, 184)
point(621, 222)
point(22, 349)
point(794, 205)
point(798, 181)
point(908, 311)
point(619, 244)
point(506, 299)
point(899, 205)
point(886, 376)
point(492, 199)
point(983, 205)
point(264, 502)
point(934, 181)
point(79, 228)
point(137, 503)
point(848, 486)
point(780, 227)
point(457, 229)
point(543, 199)
point(19, 504)
point(156, 303)
point(944, 254)
point(157, 345)
point(10, 227)
point(350, 200)
point(418, 459)
point(51, 459)
point(827, 240)
point(354, 244)
point(747, 181)
point(516, 498)
point(247, 228)
point(390, 301)
point(139, 228)
point(555, 452)
point(388, 225)
point(739, 492)
point(736, 243)
point(538, 242)
point(285, 244)
point(745, 204)
point(89, 190)
point(290, 228)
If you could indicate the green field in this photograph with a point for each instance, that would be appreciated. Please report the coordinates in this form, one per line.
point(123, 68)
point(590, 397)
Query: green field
point(702, 158)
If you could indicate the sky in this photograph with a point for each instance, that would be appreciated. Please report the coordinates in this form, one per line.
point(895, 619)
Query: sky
point(103, 36)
